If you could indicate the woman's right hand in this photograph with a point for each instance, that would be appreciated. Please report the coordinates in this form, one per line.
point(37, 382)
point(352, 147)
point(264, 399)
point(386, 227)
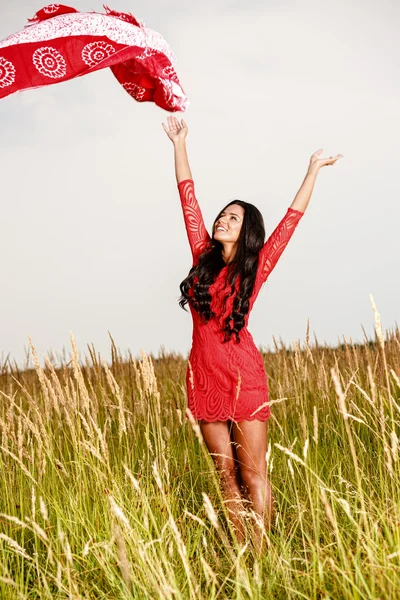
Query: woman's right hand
point(316, 162)
point(175, 131)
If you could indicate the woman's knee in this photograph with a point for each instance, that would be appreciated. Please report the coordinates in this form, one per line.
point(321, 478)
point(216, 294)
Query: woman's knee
point(228, 471)
point(254, 479)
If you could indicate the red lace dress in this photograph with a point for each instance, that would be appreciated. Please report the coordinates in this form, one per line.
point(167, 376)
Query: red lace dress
point(228, 380)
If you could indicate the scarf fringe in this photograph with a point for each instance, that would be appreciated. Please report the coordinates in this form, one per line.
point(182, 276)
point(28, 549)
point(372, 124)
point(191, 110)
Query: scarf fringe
point(128, 17)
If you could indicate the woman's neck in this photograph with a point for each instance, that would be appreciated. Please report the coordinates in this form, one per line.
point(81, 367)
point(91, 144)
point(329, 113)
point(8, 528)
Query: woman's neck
point(228, 252)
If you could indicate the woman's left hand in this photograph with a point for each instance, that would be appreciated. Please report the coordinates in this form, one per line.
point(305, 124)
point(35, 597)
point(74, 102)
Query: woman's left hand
point(316, 162)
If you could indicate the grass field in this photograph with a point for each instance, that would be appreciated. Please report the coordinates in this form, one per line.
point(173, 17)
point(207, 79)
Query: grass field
point(108, 491)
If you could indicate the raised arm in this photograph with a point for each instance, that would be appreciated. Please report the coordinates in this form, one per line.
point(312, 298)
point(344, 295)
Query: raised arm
point(197, 234)
point(276, 243)
point(278, 240)
point(303, 196)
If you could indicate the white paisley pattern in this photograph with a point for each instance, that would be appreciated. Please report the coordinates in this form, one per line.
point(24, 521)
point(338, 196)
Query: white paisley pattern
point(76, 24)
point(7, 73)
point(136, 91)
point(49, 62)
point(51, 8)
point(94, 53)
point(170, 73)
point(146, 54)
point(117, 31)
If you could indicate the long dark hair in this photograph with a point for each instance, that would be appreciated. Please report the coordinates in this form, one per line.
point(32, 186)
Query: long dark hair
point(244, 264)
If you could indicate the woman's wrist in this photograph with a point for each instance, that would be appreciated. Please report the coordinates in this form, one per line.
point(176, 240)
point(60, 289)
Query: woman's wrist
point(312, 171)
point(180, 143)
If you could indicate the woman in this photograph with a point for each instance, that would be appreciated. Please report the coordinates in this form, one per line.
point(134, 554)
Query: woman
point(226, 380)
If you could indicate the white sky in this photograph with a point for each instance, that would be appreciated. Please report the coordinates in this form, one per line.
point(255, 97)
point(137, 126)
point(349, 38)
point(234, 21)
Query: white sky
point(92, 237)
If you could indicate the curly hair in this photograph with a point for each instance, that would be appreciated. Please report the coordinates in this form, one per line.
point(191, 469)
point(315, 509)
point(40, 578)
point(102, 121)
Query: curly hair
point(243, 266)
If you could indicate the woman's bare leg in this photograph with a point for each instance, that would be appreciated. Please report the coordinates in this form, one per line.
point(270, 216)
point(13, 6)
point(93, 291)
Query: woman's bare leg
point(218, 439)
point(251, 447)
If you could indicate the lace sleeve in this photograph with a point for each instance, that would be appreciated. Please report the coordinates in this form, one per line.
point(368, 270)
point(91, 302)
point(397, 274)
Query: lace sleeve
point(277, 242)
point(197, 234)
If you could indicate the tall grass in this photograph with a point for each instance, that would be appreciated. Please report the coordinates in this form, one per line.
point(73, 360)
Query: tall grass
point(108, 490)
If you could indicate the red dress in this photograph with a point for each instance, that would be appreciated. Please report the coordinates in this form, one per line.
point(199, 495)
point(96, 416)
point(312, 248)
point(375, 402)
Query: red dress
point(228, 380)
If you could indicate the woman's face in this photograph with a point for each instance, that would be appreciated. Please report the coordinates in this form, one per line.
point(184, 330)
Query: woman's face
point(229, 223)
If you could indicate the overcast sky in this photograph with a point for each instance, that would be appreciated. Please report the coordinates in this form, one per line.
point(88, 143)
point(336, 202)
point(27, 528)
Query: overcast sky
point(92, 236)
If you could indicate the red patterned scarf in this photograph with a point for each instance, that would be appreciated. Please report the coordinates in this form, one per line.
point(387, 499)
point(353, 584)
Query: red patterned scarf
point(61, 43)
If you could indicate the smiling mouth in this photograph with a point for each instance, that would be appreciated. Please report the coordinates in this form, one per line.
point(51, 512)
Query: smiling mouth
point(219, 228)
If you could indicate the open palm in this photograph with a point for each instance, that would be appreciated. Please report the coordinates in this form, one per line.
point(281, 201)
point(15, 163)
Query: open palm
point(316, 162)
point(175, 130)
